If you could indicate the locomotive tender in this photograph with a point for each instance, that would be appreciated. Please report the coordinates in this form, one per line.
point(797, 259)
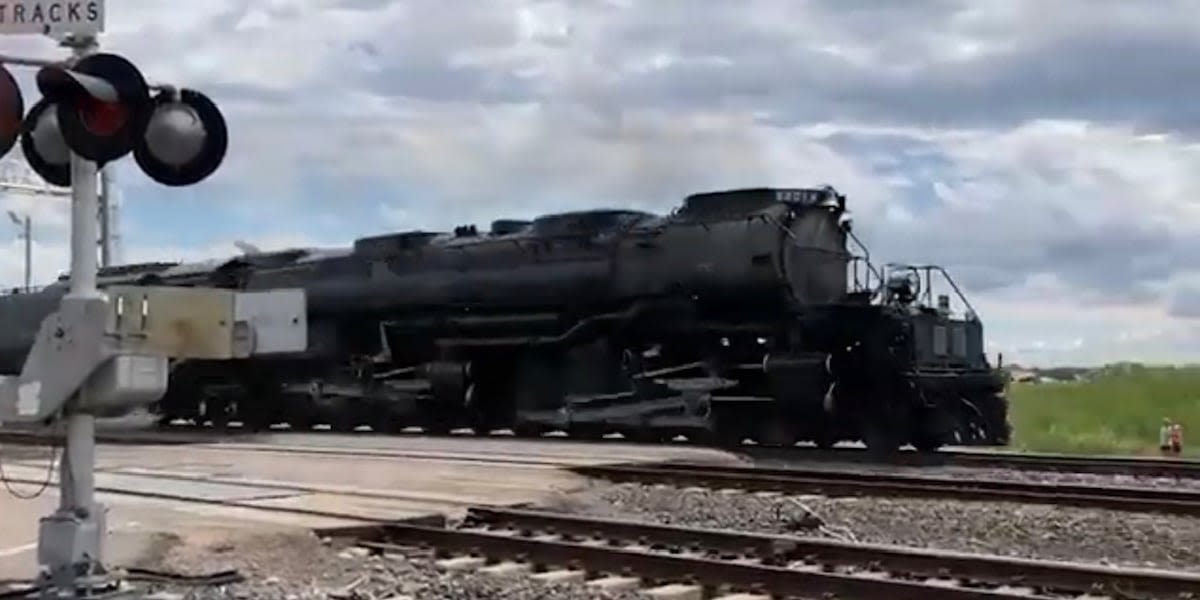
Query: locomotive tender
point(742, 314)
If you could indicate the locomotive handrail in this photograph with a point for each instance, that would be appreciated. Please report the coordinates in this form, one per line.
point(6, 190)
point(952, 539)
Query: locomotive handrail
point(859, 284)
point(928, 291)
point(866, 257)
point(853, 258)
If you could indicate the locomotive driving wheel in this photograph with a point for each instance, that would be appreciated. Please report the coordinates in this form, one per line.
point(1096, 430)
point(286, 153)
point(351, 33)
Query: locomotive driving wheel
point(880, 437)
point(258, 406)
point(776, 432)
point(537, 388)
point(216, 411)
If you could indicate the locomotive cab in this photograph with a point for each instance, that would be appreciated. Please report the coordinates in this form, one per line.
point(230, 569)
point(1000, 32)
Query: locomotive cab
point(944, 356)
point(939, 338)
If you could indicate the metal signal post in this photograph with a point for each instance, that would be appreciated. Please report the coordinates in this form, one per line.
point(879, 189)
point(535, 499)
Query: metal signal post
point(71, 540)
point(85, 201)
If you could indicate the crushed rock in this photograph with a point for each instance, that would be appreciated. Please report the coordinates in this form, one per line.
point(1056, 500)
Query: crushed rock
point(1008, 529)
point(999, 473)
point(303, 567)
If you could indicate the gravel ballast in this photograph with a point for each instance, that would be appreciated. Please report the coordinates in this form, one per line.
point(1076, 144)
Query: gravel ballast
point(1008, 529)
point(1003, 474)
point(303, 567)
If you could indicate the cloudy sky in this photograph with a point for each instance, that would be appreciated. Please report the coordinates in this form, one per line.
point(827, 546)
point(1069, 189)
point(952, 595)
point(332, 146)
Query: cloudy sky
point(1046, 152)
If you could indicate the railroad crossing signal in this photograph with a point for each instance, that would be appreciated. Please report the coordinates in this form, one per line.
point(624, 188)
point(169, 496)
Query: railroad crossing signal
point(94, 110)
point(102, 109)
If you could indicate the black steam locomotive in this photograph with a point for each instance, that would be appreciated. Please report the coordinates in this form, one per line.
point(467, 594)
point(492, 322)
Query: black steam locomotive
point(742, 314)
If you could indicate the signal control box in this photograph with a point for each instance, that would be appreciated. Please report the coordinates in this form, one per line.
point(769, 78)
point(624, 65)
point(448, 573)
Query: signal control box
point(111, 352)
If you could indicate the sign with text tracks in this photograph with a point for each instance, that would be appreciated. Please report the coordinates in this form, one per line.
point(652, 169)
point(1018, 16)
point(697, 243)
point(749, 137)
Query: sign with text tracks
point(46, 17)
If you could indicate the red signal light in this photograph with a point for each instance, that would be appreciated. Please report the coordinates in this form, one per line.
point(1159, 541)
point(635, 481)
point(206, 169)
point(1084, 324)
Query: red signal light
point(12, 111)
point(102, 118)
point(102, 103)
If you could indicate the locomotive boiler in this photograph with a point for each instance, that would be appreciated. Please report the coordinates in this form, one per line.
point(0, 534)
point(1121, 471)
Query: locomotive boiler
point(741, 314)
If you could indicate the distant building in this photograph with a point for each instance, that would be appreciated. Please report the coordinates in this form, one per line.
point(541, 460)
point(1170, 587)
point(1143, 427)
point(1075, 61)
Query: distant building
point(1023, 376)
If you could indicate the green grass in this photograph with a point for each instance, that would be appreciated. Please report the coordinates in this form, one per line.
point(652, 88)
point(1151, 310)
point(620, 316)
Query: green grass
point(1119, 411)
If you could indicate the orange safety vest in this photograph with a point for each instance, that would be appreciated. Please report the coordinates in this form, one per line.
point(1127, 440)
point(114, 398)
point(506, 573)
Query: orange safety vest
point(1177, 434)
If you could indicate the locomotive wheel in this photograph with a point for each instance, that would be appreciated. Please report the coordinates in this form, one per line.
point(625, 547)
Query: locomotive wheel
point(776, 432)
point(880, 443)
point(586, 432)
point(880, 436)
point(342, 424)
point(344, 416)
point(528, 430)
point(538, 384)
point(437, 422)
point(642, 435)
point(722, 438)
point(926, 442)
point(255, 414)
point(390, 423)
point(437, 428)
point(729, 428)
point(997, 429)
point(825, 440)
point(216, 411)
point(301, 415)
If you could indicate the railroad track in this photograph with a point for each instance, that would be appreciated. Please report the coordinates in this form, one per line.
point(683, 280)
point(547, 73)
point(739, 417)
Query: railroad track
point(1100, 465)
point(484, 455)
point(843, 483)
point(719, 561)
point(283, 489)
point(1105, 465)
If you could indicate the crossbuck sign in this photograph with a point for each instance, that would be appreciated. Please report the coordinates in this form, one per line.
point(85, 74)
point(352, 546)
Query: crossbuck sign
point(48, 17)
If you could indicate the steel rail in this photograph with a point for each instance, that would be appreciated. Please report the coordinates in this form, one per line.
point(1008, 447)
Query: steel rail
point(659, 566)
point(911, 562)
point(840, 483)
point(234, 444)
point(1102, 465)
point(980, 484)
point(41, 437)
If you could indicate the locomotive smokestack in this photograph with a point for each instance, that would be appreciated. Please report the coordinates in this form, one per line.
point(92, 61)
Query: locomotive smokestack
point(247, 247)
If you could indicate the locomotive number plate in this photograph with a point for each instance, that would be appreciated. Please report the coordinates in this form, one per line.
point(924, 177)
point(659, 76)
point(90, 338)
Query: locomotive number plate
point(800, 196)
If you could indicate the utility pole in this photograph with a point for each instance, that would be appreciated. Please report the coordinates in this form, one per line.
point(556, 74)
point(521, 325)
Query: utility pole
point(26, 226)
point(16, 180)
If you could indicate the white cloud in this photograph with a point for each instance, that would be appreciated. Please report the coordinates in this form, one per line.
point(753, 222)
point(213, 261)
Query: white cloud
point(1045, 151)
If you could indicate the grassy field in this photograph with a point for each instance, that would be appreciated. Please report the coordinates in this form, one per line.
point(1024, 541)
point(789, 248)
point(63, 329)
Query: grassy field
point(1117, 412)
